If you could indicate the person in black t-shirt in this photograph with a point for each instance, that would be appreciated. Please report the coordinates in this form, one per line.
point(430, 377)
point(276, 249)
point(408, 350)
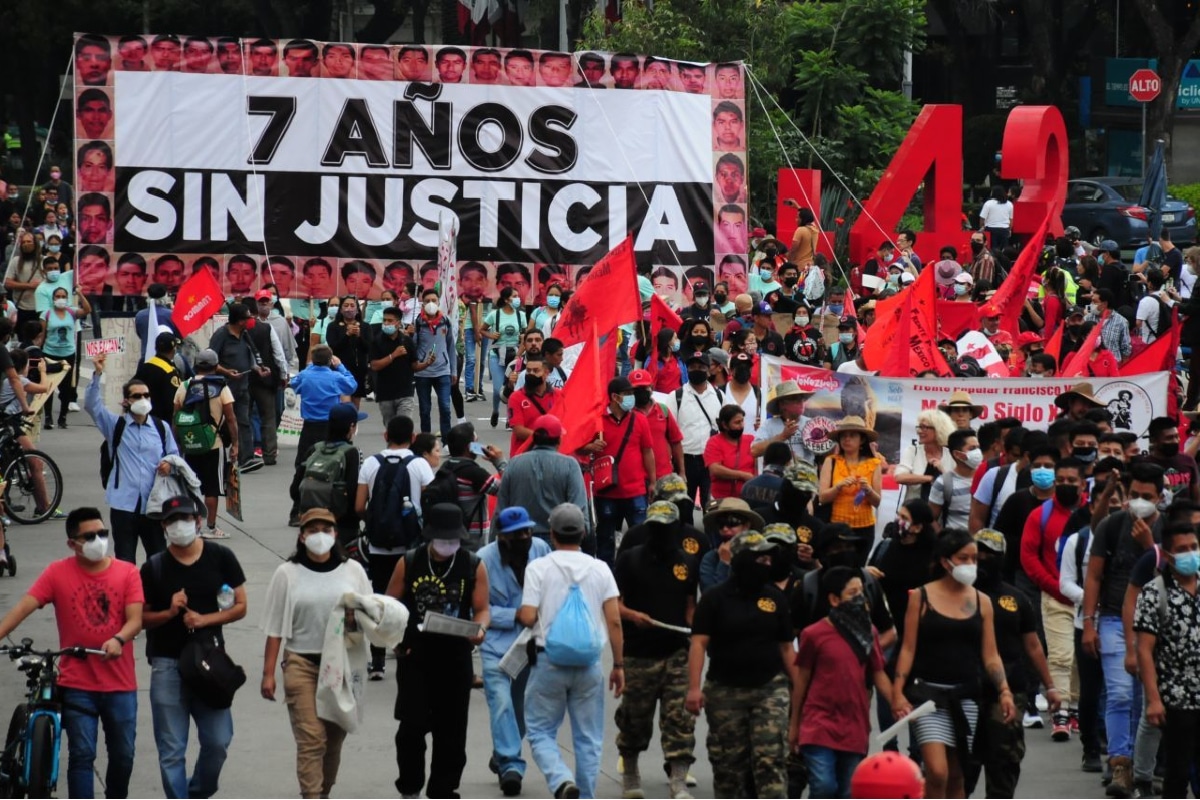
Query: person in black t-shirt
point(393, 359)
point(185, 588)
point(161, 378)
point(658, 583)
point(1016, 627)
point(742, 625)
point(672, 488)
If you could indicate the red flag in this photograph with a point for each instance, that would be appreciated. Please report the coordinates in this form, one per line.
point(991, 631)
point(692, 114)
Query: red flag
point(660, 315)
point(1054, 346)
point(1077, 364)
point(877, 348)
point(1010, 296)
point(955, 319)
point(924, 354)
point(199, 298)
point(607, 298)
point(585, 394)
point(903, 340)
point(1158, 356)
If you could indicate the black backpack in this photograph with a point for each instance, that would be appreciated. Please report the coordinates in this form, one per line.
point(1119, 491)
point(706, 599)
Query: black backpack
point(392, 519)
point(1165, 317)
point(109, 457)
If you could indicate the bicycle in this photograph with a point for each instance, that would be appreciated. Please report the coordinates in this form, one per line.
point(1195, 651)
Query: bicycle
point(29, 762)
point(34, 480)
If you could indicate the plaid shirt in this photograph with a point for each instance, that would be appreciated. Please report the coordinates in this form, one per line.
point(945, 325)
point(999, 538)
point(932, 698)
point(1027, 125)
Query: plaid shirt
point(1114, 335)
point(984, 267)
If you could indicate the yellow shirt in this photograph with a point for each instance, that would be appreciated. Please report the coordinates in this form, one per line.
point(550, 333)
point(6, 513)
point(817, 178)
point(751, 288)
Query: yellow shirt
point(844, 509)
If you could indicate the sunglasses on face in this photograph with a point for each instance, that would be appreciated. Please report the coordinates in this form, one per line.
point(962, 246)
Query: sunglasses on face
point(733, 522)
point(91, 537)
point(139, 396)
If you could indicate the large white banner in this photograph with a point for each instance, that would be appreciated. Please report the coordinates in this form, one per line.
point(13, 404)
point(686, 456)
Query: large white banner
point(325, 167)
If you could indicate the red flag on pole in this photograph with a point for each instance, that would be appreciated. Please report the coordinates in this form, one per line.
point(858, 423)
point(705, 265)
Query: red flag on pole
point(1010, 296)
point(903, 340)
point(199, 298)
point(585, 394)
point(1158, 355)
point(607, 298)
point(660, 315)
point(1077, 364)
point(1054, 347)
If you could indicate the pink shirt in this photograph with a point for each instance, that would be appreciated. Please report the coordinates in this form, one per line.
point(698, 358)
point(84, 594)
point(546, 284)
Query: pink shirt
point(89, 609)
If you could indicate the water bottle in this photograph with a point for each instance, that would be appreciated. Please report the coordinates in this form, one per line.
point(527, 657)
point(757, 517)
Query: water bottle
point(409, 508)
point(225, 597)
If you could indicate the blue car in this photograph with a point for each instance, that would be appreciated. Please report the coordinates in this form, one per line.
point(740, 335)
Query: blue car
point(1107, 208)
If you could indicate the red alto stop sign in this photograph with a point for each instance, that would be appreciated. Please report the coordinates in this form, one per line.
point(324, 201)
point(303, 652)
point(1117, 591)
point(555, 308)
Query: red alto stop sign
point(1145, 85)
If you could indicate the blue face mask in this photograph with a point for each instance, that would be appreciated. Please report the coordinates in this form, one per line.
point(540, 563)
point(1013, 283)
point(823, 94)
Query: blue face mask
point(627, 401)
point(515, 302)
point(835, 309)
point(1043, 477)
point(389, 330)
point(553, 301)
point(846, 338)
point(960, 289)
point(1187, 564)
point(765, 274)
point(675, 346)
point(53, 275)
point(54, 248)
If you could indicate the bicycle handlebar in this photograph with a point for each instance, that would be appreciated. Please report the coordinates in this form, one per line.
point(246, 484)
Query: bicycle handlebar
point(15, 652)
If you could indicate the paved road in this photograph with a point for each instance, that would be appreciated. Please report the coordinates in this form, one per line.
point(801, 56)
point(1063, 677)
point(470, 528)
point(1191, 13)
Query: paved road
point(261, 761)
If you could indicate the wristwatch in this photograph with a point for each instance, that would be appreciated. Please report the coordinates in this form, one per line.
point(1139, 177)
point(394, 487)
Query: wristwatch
point(120, 639)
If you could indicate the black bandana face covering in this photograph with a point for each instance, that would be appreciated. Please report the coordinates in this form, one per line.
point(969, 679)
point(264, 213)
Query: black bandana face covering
point(853, 621)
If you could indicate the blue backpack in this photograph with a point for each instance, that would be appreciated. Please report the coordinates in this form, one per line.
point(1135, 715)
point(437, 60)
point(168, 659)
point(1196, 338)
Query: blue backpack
point(573, 639)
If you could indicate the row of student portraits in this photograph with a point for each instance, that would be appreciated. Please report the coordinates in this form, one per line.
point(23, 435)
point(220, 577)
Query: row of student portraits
point(97, 57)
point(321, 278)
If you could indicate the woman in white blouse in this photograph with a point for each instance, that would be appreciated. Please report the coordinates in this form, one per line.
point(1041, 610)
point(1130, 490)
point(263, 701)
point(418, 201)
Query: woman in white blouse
point(996, 218)
point(302, 594)
point(926, 458)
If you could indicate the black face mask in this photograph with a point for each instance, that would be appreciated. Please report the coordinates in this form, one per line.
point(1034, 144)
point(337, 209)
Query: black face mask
point(790, 281)
point(697, 377)
point(741, 374)
point(641, 395)
point(699, 343)
point(720, 298)
point(748, 574)
point(976, 247)
point(687, 510)
point(988, 573)
point(782, 561)
point(1067, 495)
point(663, 540)
point(1085, 454)
point(1168, 449)
point(533, 383)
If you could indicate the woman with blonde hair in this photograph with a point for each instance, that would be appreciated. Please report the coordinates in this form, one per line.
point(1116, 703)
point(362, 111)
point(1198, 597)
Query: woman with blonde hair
point(923, 460)
point(852, 481)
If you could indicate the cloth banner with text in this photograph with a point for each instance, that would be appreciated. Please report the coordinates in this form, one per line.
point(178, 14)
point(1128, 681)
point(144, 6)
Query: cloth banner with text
point(324, 168)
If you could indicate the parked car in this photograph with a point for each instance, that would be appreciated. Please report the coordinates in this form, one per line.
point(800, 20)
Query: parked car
point(1107, 208)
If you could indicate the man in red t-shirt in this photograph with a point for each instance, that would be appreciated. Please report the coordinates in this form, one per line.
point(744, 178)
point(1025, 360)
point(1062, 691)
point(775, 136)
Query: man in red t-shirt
point(840, 656)
point(625, 437)
point(664, 430)
point(530, 402)
point(97, 604)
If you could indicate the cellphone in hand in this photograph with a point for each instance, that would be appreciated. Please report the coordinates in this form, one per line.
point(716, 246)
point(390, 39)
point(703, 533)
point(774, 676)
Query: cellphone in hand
point(477, 448)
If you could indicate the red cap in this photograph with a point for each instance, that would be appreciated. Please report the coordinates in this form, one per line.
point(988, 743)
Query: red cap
point(550, 424)
point(640, 377)
point(1002, 337)
point(1028, 338)
point(263, 294)
point(989, 310)
point(758, 233)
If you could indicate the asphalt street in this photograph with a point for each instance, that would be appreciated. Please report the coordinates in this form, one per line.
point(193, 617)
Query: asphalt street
point(261, 761)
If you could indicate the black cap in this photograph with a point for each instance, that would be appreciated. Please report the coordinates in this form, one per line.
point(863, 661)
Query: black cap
point(700, 356)
point(619, 385)
point(239, 313)
point(849, 323)
point(180, 504)
point(165, 340)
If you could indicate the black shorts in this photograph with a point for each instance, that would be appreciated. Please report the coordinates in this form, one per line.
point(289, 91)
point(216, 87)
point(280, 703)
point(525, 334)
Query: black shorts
point(208, 469)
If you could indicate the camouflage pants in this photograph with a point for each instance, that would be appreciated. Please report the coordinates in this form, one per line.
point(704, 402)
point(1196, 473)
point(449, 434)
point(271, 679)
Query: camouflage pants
point(747, 733)
point(1000, 750)
point(662, 682)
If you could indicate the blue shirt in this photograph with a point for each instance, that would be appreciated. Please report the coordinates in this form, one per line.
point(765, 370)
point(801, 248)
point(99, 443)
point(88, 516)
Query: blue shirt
point(137, 457)
point(504, 596)
point(320, 389)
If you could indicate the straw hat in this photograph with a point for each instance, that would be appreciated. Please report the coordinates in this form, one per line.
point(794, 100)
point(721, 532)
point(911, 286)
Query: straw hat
point(732, 506)
point(961, 399)
point(785, 389)
point(854, 424)
point(1084, 391)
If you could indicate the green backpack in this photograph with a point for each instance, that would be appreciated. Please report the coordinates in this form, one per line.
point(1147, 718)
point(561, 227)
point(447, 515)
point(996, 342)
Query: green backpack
point(324, 482)
point(194, 424)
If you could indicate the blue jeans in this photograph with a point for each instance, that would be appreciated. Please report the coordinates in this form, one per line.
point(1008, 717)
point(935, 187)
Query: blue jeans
point(829, 771)
point(172, 707)
point(506, 709)
point(609, 516)
point(469, 356)
point(83, 712)
point(1122, 708)
point(497, 370)
point(552, 693)
point(441, 385)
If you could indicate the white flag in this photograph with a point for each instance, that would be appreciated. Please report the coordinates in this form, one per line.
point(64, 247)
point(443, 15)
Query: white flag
point(447, 272)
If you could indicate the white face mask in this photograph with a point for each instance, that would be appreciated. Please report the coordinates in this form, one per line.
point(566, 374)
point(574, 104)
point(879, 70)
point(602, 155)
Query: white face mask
point(319, 543)
point(965, 573)
point(60, 302)
point(141, 407)
point(181, 532)
point(96, 549)
point(431, 308)
point(973, 458)
point(1142, 509)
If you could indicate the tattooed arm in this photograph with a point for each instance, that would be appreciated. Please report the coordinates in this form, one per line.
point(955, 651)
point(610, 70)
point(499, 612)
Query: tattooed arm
point(992, 663)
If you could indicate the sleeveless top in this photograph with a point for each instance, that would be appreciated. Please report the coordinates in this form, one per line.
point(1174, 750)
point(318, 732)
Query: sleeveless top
point(948, 649)
point(844, 509)
point(60, 334)
point(444, 588)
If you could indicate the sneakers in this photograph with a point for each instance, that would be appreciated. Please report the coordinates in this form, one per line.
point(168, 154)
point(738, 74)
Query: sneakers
point(631, 779)
point(58, 513)
point(1073, 721)
point(510, 783)
point(73, 406)
point(1122, 782)
point(1062, 730)
point(213, 533)
point(1143, 789)
point(567, 789)
point(495, 420)
point(1041, 704)
point(251, 465)
point(1091, 763)
point(375, 672)
point(1033, 721)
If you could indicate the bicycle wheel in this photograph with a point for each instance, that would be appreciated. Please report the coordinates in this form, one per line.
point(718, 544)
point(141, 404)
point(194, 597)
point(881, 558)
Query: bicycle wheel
point(41, 759)
point(34, 487)
point(11, 764)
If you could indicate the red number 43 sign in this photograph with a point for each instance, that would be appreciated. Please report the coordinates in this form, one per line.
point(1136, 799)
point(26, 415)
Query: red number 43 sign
point(930, 160)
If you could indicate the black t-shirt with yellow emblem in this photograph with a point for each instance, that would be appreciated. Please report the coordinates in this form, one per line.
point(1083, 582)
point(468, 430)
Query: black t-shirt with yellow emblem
point(744, 632)
point(661, 588)
point(163, 380)
point(1014, 617)
point(692, 540)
